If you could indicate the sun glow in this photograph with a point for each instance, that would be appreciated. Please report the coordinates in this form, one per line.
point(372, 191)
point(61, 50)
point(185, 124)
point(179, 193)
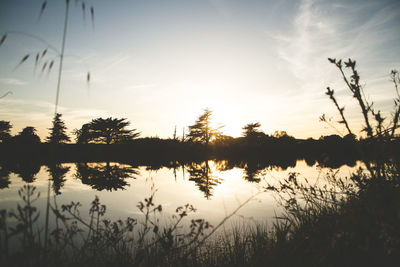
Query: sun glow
point(229, 118)
point(217, 96)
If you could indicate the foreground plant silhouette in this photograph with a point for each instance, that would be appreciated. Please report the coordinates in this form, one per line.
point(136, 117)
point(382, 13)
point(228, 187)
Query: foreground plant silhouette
point(353, 83)
point(76, 239)
point(347, 221)
point(94, 240)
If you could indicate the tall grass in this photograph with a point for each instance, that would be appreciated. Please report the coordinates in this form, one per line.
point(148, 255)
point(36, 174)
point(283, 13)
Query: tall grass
point(97, 241)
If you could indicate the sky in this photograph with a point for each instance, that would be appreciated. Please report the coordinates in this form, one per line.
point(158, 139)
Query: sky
point(160, 63)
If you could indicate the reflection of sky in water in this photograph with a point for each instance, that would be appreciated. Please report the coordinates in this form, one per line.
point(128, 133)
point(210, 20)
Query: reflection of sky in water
point(172, 191)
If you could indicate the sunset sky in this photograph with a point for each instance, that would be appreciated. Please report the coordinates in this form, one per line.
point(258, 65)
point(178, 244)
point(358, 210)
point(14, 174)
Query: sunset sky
point(160, 63)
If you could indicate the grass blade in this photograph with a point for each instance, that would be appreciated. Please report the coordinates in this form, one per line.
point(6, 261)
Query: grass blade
point(25, 58)
point(42, 9)
point(44, 66)
point(43, 53)
point(92, 15)
point(50, 66)
point(3, 39)
point(83, 11)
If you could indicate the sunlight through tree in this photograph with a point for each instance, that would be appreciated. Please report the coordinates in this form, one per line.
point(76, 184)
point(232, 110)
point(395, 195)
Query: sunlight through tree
point(202, 131)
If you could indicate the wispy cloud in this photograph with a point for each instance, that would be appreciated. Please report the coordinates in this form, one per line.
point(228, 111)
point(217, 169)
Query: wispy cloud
point(111, 65)
point(23, 102)
point(12, 81)
point(306, 47)
point(41, 114)
point(321, 30)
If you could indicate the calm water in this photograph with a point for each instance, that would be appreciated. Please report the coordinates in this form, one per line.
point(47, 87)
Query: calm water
point(214, 188)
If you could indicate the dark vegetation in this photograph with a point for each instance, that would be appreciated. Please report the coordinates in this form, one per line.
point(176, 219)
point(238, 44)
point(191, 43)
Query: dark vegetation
point(110, 140)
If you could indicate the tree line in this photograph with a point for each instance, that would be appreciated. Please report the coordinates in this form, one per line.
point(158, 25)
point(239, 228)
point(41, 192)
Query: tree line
point(102, 131)
point(115, 131)
point(104, 139)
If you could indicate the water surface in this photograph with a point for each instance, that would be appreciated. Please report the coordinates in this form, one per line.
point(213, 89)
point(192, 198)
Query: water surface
point(215, 188)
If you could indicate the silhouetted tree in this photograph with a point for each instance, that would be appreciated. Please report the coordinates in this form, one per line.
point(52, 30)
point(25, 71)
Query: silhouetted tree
point(251, 130)
point(201, 131)
point(58, 131)
point(252, 133)
point(82, 134)
point(222, 139)
point(27, 136)
point(333, 138)
point(280, 134)
point(5, 129)
point(174, 137)
point(4, 177)
point(107, 131)
point(350, 137)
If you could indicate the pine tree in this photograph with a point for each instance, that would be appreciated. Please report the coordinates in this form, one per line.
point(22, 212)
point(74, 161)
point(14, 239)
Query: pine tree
point(201, 131)
point(58, 131)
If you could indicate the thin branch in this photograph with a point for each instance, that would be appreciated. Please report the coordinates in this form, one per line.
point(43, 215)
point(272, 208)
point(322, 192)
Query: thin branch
point(330, 93)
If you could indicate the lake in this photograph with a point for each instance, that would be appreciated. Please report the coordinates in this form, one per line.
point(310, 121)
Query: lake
point(214, 188)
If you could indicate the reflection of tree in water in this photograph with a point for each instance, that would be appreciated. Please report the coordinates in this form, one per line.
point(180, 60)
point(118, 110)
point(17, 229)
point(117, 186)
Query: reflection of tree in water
point(106, 176)
point(4, 177)
point(174, 165)
point(310, 161)
point(223, 165)
point(253, 171)
point(57, 173)
point(26, 170)
point(201, 174)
